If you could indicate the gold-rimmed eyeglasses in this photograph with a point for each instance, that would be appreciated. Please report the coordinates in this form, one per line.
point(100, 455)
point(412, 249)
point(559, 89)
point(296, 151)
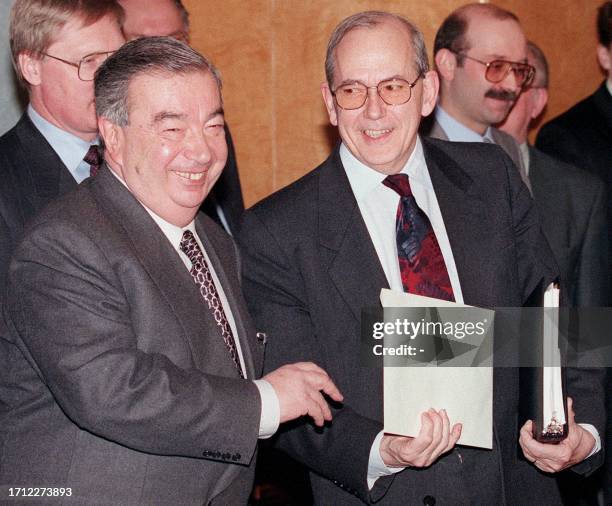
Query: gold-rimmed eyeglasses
point(86, 66)
point(497, 70)
point(395, 91)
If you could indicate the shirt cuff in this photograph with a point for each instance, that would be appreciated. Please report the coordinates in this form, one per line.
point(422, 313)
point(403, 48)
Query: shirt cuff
point(595, 433)
point(376, 467)
point(270, 409)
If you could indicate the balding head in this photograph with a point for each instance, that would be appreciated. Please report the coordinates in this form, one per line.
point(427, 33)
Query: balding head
point(146, 18)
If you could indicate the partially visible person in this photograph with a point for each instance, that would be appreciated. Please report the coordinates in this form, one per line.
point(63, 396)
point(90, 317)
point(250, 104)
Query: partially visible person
point(144, 18)
point(583, 134)
point(480, 52)
point(11, 106)
point(570, 202)
point(389, 209)
point(56, 47)
point(134, 361)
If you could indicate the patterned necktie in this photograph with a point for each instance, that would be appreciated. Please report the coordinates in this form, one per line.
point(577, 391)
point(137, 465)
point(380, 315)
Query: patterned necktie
point(203, 278)
point(421, 262)
point(93, 158)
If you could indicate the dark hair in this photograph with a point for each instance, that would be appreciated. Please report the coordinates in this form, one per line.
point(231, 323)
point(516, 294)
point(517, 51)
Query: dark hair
point(451, 34)
point(370, 19)
point(604, 24)
point(148, 55)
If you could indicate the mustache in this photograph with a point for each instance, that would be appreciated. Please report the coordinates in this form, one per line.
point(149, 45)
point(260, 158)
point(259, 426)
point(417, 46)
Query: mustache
point(508, 96)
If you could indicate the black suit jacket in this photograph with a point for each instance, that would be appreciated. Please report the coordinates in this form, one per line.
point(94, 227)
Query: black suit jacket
point(582, 136)
point(115, 380)
point(31, 176)
point(572, 207)
point(311, 267)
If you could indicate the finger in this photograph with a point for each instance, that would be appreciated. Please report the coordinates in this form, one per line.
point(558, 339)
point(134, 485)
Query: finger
point(322, 404)
point(445, 435)
point(454, 435)
point(330, 389)
point(571, 416)
point(420, 443)
point(314, 411)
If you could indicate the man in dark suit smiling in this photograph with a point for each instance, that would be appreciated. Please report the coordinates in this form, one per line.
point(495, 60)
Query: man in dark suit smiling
point(320, 250)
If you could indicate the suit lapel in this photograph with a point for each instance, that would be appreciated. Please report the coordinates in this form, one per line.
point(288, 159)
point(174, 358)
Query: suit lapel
point(351, 259)
point(462, 208)
point(44, 172)
point(164, 266)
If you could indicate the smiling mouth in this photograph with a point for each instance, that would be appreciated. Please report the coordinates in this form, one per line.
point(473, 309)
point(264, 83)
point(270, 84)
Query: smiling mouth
point(192, 176)
point(375, 134)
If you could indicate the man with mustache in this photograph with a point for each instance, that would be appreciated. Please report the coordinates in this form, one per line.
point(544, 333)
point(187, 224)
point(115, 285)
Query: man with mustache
point(481, 57)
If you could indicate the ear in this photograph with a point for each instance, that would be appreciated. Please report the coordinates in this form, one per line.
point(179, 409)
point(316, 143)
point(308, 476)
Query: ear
point(539, 99)
point(605, 58)
point(431, 85)
point(113, 143)
point(330, 104)
point(30, 67)
point(446, 64)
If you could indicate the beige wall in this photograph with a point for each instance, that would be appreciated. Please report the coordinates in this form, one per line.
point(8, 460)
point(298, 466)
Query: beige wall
point(271, 52)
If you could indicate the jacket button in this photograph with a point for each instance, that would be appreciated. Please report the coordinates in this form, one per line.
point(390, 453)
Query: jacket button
point(429, 500)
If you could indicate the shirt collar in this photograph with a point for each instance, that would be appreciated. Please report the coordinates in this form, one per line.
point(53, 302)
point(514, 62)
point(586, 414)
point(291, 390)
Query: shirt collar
point(609, 85)
point(172, 232)
point(364, 179)
point(70, 148)
point(456, 131)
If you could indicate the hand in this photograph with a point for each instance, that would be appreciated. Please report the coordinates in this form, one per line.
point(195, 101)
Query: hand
point(553, 458)
point(298, 387)
point(434, 439)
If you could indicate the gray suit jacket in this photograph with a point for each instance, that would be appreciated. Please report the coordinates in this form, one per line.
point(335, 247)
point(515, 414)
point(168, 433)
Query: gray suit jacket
point(310, 267)
point(117, 381)
point(431, 128)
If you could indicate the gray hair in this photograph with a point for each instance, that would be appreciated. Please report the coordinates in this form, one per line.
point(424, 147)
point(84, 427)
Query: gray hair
point(370, 19)
point(148, 55)
point(536, 57)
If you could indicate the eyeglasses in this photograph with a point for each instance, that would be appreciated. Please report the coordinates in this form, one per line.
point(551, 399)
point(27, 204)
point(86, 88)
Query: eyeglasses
point(88, 65)
point(497, 70)
point(394, 91)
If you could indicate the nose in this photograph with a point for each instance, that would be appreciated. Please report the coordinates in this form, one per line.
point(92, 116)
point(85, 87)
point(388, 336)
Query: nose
point(374, 106)
point(512, 81)
point(197, 148)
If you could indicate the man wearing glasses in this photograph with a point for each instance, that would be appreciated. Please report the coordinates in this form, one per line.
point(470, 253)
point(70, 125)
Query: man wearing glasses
point(481, 57)
point(56, 49)
point(320, 250)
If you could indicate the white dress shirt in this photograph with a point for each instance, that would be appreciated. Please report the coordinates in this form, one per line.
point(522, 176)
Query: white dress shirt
point(270, 407)
point(378, 206)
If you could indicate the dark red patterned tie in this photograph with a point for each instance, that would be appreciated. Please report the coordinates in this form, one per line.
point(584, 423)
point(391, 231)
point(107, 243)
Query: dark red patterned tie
point(93, 158)
point(203, 278)
point(421, 262)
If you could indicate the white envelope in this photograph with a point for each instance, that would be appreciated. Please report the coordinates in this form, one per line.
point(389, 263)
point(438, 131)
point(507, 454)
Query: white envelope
point(466, 393)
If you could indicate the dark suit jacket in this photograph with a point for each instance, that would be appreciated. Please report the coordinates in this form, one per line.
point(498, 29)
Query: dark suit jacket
point(31, 176)
point(115, 379)
point(572, 207)
point(582, 136)
point(311, 267)
point(227, 192)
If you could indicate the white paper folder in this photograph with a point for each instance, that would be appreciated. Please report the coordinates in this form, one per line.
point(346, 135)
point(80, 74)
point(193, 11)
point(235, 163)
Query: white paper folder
point(466, 393)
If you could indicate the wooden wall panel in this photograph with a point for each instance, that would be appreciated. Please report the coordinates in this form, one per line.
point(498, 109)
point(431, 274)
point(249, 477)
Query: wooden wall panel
point(271, 55)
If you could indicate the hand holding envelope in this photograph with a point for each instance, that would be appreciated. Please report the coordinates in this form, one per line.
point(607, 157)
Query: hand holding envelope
point(435, 438)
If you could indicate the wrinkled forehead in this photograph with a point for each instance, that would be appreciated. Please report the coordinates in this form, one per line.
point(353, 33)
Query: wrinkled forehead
point(143, 21)
point(496, 38)
point(188, 93)
point(384, 50)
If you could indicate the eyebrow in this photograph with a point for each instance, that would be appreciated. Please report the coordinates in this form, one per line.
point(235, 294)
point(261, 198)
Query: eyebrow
point(164, 115)
point(353, 81)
